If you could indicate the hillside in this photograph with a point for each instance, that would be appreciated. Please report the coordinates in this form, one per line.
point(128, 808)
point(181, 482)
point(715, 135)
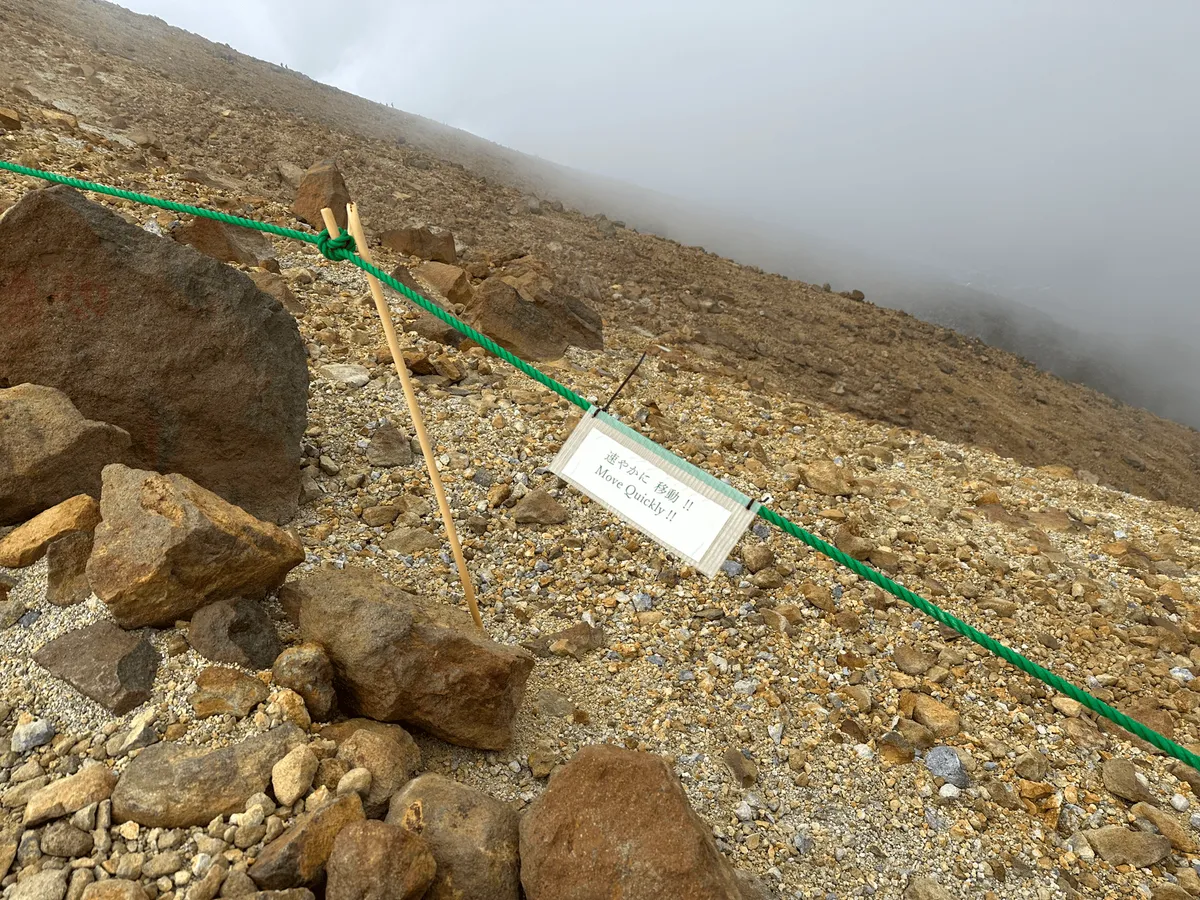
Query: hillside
point(833, 742)
point(877, 363)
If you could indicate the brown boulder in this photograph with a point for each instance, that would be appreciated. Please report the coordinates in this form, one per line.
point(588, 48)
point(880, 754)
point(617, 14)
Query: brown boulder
point(615, 822)
point(171, 785)
point(517, 325)
point(298, 856)
point(168, 547)
point(435, 244)
point(322, 186)
point(10, 119)
point(399, 658)
point(49, 451)
point(392, 757)
point(1121, 846)
point(26, 544)
point(206, 373)
point(115, 668)
point(91, 784)
point(227, 243)
point(449, 281)
point(539, 508)
point(578, 323)
point(473, 837)
point(377, 861)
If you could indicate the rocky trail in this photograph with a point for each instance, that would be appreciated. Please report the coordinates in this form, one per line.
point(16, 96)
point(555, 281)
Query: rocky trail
point(232, 655)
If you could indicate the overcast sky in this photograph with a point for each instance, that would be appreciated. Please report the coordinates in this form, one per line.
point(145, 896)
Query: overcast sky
point(1045, 149)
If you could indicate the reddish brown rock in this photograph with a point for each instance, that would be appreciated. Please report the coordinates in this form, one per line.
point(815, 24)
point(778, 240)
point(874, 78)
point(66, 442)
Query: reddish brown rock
point(26, 544)
point(473, 837)
point(49, 452)
point(377, 861)
point(168, 547)
point(227, 243)
point(322, 186)
point(206, 373)
point(449, 281)
point(435, 244)
point(221, 691)
point(400, 658)
point(614, 822)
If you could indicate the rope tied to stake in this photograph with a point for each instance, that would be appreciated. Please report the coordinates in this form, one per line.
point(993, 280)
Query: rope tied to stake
point(340, 248)
point(343, 248)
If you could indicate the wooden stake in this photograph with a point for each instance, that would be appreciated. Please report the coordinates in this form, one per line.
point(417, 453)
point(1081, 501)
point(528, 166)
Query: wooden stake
point(354, 226)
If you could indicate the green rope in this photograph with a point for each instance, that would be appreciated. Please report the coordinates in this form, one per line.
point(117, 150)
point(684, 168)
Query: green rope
point(342, 248)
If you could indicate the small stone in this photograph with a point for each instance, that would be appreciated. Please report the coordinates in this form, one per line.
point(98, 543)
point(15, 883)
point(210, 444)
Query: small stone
point(539, 508)
point(66, 565)
point(34, 733)
point(224, 691)
point(90, 785)
point(45, 885)
point(306, 669)
point(939, 718)
point(742, 768)
point(357, 781)
point(390, 754)
point(113, 667)
point(758, 557)
point(1033, 766)
point(922, 887)
point(389, 447)
point(945, 763)
point(63, 839)
point(354, 376)
point(114, 889)
point(1119, 846)
point(236, 631)
point(407, 541)
point(911, 661)
point(292, 776)
point(1168, 826)
point(1120, 778)
point(895, 749)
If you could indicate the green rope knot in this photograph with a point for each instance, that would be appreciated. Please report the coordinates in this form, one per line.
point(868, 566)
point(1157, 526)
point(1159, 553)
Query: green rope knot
point(336, 248)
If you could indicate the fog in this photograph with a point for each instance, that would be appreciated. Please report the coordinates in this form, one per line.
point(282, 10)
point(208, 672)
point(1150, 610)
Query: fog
point(1023, 170)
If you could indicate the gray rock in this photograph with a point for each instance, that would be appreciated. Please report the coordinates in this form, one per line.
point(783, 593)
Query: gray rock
point(63, 839)
point(213, 373)
point(945, 763)
point(236, 631)
point(113, 667)
point(306, 669)
point(29, 735)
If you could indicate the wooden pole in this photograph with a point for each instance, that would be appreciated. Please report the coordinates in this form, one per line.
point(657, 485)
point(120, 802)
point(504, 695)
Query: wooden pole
point(354, 226)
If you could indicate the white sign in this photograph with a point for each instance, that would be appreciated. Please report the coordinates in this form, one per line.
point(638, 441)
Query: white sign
point(676, 504)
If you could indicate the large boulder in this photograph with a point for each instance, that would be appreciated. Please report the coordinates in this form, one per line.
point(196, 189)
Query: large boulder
point(537, 325)
point(377, 861)
point(116, 668)
point(615, 822)
point(322, 186)
point(168, 547)
point(206, 373)
point(171, 785)
point(49, 451)
point(436, 244)
point(473, 837)
point(570, 316)
point(400, 658)
point(227, 243)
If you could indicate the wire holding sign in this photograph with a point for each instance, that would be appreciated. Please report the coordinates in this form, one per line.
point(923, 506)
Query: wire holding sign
point(654, 490)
